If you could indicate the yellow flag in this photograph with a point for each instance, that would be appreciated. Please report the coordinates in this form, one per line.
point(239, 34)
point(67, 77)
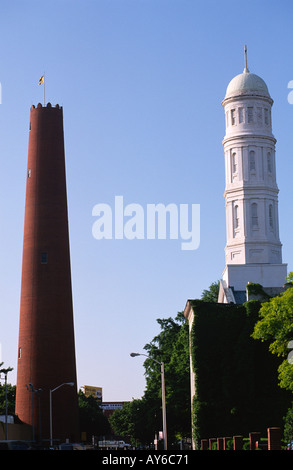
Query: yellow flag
point(41, 81)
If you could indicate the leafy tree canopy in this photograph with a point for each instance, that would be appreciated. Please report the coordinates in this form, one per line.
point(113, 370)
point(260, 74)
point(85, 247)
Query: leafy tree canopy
point(211, 294)
point(92, 419)
point(276, 326)
point(133, 421)
point(142, 418)
point(11, 389)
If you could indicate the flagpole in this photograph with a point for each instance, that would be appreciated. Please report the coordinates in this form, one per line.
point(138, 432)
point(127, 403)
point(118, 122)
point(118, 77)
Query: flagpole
point(44, 90)
point(42, 82)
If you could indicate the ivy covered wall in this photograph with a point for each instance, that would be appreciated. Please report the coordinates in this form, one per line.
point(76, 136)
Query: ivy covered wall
point(236, 382)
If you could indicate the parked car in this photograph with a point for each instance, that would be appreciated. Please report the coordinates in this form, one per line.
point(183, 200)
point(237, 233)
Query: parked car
point(14, 445)
point(290, 445)
point(71, 446)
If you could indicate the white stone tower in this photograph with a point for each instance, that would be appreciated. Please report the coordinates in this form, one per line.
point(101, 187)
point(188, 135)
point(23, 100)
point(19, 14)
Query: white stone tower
point(253, 249)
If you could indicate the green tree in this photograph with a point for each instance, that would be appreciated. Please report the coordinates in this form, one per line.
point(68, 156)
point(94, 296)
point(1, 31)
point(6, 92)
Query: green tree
point(92, 419)
point(288, 425)
point(141, 419)
point(178, 390)
point(276, 326)
point(211, 294)
point(11, 389)
point(170, 346)
point(122, 421)
point(133, 422)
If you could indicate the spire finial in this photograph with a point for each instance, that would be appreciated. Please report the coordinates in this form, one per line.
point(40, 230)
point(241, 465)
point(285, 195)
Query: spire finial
point(245, 58)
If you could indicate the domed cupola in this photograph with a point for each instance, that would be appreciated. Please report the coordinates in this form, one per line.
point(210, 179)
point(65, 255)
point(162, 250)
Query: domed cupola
point(247, 83)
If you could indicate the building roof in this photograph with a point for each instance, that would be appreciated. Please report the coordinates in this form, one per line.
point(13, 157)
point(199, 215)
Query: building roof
point(247, 83)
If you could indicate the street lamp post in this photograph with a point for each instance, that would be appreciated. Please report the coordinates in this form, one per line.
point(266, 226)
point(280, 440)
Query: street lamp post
point(30, 388)
point(38, 393)
point(163, 395)
point(51, 424)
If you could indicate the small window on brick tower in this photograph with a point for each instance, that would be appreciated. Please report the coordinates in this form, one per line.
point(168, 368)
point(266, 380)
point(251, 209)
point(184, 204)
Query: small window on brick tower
point(44, 258)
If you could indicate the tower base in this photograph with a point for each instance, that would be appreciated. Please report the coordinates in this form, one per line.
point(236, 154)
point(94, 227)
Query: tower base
point(237, 276)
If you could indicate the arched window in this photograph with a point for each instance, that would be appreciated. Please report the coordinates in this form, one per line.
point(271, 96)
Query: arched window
point(254, 216)
point(250, 114)
point(236, 216)
point(259, 115)
point(234, 163)
point(240, 115)
point(252, 160)
point(269, 161)
point(233, 118)
point(271, 216)
point(267, 117)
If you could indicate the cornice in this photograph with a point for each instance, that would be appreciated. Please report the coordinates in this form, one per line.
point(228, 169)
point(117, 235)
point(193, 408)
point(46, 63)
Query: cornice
point(245, 137)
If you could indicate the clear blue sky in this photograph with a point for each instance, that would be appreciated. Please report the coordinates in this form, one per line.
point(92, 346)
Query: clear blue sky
point(141, 84)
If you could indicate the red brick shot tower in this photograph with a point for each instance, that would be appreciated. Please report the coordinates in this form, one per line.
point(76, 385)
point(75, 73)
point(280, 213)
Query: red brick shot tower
point(46, 348)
